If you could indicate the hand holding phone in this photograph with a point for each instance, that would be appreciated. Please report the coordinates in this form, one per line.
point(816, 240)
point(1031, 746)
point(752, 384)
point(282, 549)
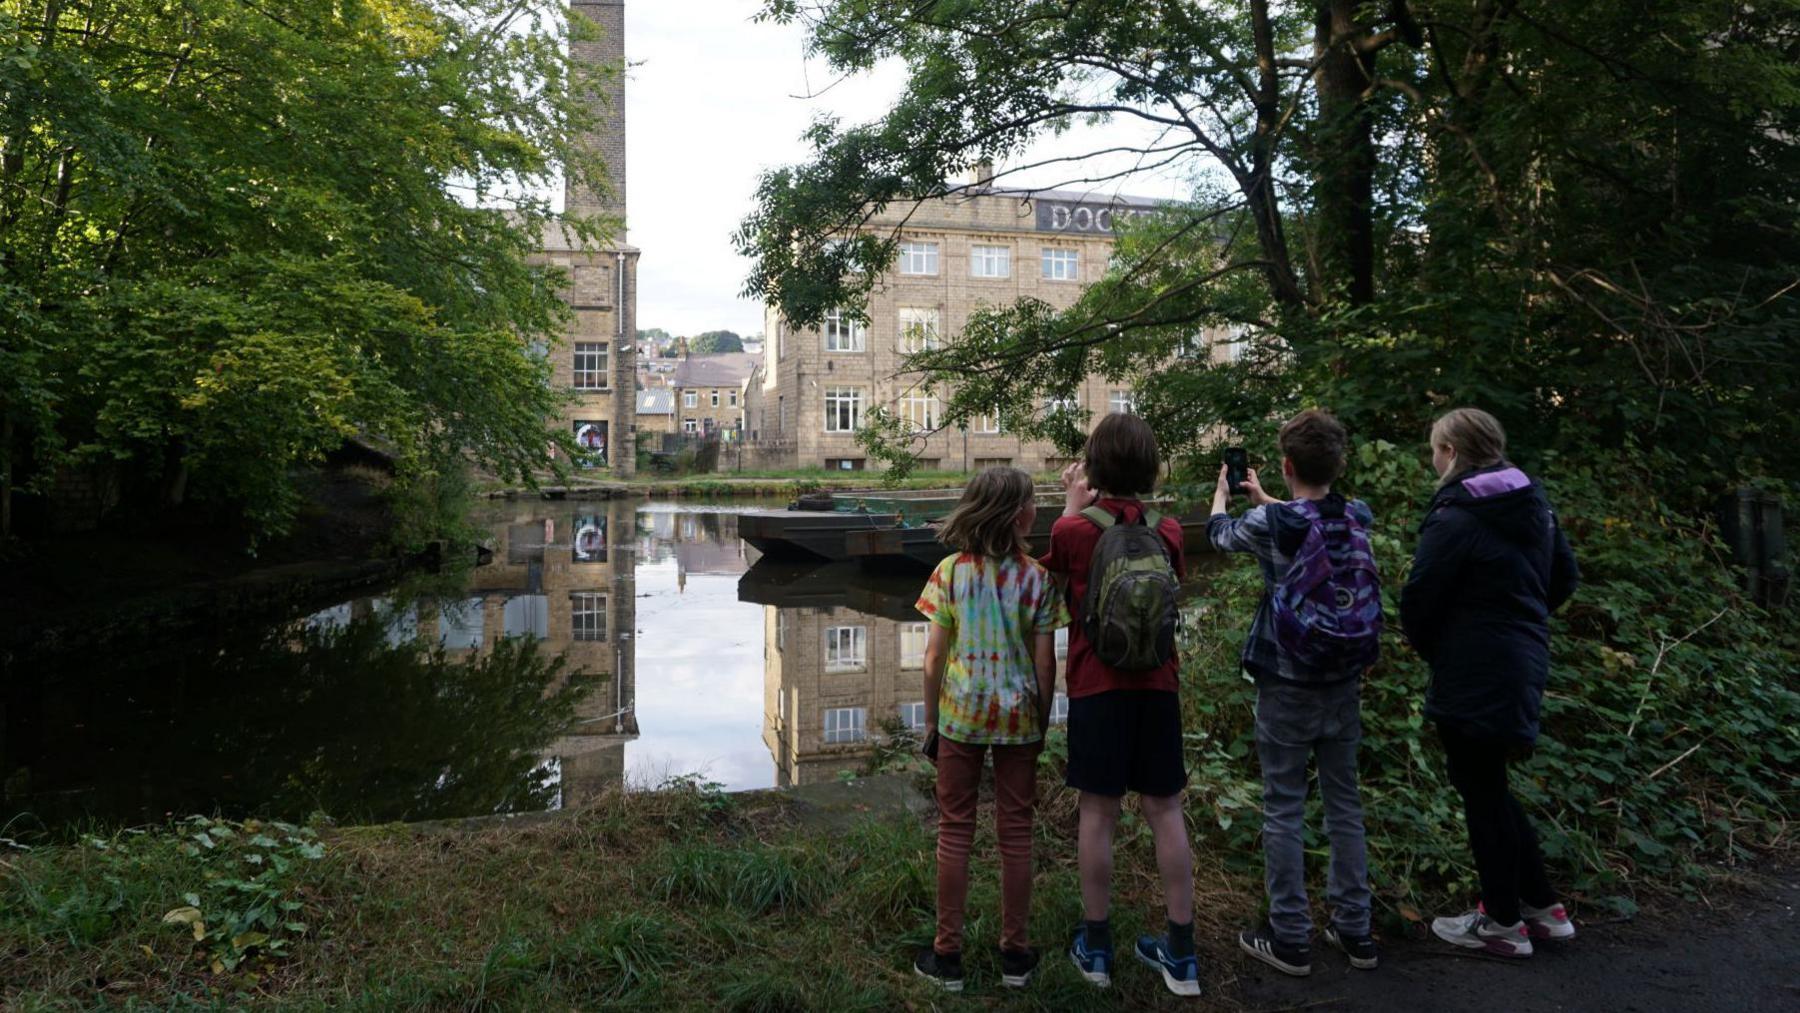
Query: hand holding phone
point(1237, 469)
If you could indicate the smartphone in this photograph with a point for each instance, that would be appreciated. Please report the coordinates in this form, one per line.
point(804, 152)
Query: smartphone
point(1237, 469)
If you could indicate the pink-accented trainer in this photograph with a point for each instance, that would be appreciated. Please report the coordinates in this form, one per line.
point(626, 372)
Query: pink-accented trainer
point(1547, 922)
point(1474, 930)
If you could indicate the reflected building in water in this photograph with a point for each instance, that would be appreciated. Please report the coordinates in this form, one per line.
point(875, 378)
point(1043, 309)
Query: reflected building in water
point(568, 580)
point(844, 668)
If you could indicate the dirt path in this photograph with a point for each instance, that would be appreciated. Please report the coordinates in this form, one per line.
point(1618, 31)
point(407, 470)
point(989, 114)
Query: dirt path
point(1737, 956)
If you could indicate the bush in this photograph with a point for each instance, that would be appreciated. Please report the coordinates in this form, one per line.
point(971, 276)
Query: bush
point(1671, 724)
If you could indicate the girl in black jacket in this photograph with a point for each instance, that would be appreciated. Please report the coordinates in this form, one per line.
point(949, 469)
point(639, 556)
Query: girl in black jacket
point(1491, 566)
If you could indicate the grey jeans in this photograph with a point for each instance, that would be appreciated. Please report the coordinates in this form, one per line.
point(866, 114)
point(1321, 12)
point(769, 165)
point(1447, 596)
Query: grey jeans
point(1293, 725)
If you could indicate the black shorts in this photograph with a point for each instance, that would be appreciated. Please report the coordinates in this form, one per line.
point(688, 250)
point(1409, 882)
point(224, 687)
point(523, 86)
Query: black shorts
point(1126, 740)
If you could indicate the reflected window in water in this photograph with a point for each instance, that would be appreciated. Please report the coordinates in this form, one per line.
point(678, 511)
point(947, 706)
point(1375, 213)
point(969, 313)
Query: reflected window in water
point(461, 625)
point(587, 615)
point(846, 648)
point(334, 618)
point(846, 724)
point(912, 715)
point(402, 624)
point(527, 615)
point(912, 644)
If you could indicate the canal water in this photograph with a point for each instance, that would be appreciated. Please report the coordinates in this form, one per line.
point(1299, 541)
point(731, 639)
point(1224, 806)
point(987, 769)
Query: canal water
point(603, 645)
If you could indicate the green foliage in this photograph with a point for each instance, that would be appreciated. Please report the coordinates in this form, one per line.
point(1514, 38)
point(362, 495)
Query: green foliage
point(753, 881)
point(1671, 723)
point(1581, 217)
point(229, 239)
point(715, 343)
point(248, 903)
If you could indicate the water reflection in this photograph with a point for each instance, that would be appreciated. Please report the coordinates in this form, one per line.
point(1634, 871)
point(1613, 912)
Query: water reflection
point(844, 656)
point(601, 645)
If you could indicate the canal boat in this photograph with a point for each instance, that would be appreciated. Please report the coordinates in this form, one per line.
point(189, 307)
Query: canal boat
point(817, 525)
point(918, 546)
point(807, 534)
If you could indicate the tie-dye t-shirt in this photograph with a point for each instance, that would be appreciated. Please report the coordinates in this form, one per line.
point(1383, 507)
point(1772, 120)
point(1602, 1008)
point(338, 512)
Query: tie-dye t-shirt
point(993, 607)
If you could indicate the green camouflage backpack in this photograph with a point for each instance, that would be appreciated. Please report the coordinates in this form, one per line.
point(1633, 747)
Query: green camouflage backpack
point(1129, 613)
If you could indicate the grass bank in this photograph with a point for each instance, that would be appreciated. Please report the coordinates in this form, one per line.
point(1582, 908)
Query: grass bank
point(682, 899)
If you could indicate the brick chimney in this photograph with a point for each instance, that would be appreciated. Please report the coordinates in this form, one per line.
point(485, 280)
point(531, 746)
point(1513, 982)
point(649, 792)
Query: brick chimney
point(983, 173)
point(607, 139)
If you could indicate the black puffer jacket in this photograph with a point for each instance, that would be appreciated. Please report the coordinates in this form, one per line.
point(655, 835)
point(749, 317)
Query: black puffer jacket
point(1491, 566)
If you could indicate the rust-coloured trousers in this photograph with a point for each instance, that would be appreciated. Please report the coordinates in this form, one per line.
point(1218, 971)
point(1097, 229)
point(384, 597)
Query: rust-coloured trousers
point(1015, 786)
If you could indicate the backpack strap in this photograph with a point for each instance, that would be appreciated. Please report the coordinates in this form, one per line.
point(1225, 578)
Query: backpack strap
point(1101, 519)
point(1152, 519)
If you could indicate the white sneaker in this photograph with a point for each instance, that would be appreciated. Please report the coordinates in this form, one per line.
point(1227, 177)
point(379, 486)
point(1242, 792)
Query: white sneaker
point(1547, 922)
point(1474, 930)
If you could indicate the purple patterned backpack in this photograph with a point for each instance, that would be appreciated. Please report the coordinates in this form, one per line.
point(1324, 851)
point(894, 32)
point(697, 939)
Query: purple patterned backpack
point(1327, 607)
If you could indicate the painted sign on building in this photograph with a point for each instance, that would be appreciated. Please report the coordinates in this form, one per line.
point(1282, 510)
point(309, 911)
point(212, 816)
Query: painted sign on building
point(590, 436)
point(1072, 216)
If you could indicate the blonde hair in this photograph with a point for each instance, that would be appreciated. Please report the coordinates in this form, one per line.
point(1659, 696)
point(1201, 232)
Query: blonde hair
point(1477, 438)
point(985, 520)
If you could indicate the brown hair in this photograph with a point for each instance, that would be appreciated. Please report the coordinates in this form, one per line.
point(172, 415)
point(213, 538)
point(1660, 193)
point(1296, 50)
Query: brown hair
point(1121, 455)
point(985, 519)
point(1316, 442)
point(1477, 437)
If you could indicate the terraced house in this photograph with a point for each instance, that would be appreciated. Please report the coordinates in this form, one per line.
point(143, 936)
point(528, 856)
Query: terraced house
point(814, 387)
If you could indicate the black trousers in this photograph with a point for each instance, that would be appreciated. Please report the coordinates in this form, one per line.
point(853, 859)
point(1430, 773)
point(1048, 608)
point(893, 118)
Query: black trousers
point(1506, 847)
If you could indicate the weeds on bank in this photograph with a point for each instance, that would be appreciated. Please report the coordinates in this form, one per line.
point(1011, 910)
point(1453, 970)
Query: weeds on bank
point(683, 898)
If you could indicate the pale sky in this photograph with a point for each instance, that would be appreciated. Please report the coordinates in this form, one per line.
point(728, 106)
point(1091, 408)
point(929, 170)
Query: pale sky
point(711, 101)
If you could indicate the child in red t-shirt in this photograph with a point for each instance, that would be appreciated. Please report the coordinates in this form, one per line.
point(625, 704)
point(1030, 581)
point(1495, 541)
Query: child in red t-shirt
point(1124, 727)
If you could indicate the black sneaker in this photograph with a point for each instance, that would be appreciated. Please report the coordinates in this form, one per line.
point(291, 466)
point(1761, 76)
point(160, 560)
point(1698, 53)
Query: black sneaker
point(1361, 950)
point(1284, 957)
point(1016, 969)
point(941, 969)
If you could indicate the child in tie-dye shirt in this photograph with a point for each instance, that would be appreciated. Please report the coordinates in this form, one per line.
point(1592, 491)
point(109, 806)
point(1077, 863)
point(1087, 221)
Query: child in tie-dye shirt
point(990, 669)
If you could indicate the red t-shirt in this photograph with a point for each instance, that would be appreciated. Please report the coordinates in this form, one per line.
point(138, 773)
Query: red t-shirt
point(1072, 541)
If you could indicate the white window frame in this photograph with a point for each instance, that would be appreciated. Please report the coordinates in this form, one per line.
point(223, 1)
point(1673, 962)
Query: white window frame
point(921, 410)
point(912, 715)
point(1121, 402)
point(690, 399)
point(731, 398)
point(1053, 405)
point(690, 426)
point(919, 257)
point(921, 329)
point(590, 365)
point(715, 399)
point(988, 261)
point(913, 638)
point(843, 332)
point(846, 648)
point(985, 425)
point(587, 617)
point(843, 409)
point(1061, 264)
point(844, 725)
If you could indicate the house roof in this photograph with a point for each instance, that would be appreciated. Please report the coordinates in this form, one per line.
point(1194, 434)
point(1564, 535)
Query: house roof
point(655, 401)
point(728, 370)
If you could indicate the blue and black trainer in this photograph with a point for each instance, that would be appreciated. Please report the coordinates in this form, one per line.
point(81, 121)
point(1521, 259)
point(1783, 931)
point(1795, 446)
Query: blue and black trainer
point(1094, 963)
point(1180, 974)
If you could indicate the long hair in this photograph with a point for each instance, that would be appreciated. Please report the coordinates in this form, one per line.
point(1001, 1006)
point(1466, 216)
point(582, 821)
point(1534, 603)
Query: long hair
point(984, 521)
point(1477, 438)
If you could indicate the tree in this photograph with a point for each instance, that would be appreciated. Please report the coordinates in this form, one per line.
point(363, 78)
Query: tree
point(656, 335)
point(1582, 216)
point(232, 236)
point(716, 343)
